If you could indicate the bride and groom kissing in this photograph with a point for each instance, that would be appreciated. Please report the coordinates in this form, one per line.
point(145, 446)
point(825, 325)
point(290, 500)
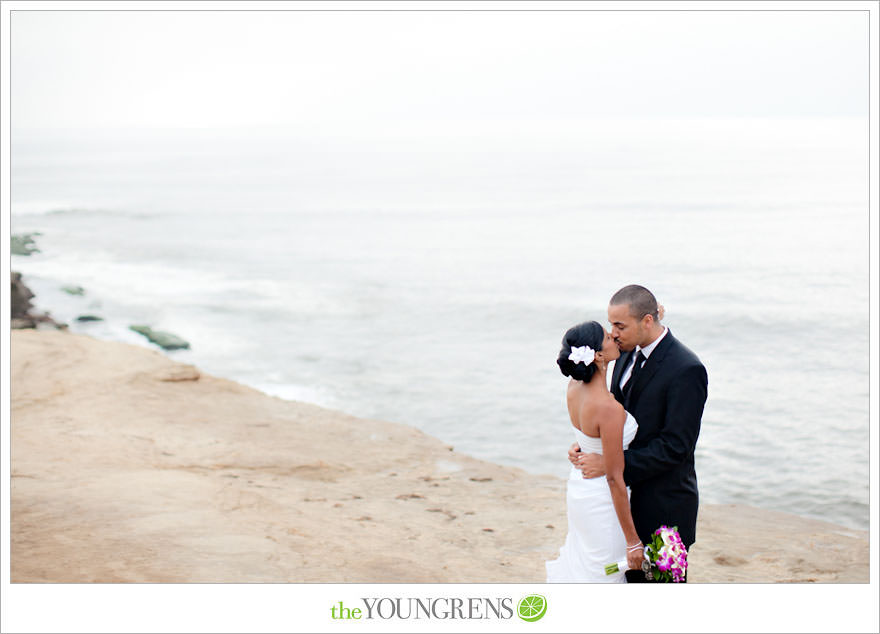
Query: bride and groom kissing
point(637, 438)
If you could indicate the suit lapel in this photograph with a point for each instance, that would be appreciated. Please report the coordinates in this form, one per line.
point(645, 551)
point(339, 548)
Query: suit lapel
point(619, 365)
point(650, 368)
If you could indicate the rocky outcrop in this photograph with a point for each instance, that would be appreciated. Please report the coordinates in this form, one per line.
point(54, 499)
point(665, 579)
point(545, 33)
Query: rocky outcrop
point(20, 297)
point(20, 300)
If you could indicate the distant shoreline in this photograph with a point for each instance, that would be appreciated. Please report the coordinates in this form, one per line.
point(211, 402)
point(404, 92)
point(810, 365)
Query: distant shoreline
point(130, 467)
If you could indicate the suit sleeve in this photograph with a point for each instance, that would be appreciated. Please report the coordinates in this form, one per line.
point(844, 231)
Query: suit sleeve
point(685, 400)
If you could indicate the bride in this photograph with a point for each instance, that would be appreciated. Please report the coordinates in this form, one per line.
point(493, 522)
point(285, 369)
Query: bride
point(600, 525)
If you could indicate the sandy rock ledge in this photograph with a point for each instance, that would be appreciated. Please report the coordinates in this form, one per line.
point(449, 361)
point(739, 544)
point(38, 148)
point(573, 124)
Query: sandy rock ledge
point(130, 467)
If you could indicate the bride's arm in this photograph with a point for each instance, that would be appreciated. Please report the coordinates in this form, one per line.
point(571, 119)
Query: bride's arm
point(611, 423)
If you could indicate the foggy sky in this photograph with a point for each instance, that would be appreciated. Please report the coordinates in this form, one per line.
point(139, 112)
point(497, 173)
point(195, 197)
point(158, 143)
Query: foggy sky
point(322, 70)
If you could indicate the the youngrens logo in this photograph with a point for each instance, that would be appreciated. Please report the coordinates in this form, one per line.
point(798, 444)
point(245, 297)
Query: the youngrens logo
point(530, 608)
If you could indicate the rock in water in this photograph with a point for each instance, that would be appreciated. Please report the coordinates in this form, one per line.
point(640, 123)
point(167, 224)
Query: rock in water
point(23, 244)
point(74, 290)
point(89, 318)
point(164, 340)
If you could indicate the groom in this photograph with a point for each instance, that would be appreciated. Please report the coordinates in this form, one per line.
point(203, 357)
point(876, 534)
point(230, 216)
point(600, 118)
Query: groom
point(663, 385)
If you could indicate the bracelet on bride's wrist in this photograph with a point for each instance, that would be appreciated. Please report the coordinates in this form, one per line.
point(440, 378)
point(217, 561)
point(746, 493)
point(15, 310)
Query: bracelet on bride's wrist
point(635, 546)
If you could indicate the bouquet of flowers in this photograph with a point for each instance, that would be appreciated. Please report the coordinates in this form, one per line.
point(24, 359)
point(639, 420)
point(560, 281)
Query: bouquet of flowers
point(665, 557)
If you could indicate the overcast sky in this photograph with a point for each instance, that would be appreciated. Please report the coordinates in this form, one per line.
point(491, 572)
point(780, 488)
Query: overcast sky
point(309, 70)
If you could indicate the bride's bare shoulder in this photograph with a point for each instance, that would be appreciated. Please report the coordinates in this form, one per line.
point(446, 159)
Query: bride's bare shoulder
point(609, 410)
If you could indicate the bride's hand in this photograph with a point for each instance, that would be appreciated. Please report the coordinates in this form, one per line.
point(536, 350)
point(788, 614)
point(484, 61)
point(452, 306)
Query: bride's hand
point(592, 465)
point(573, 452)
point(634, 558)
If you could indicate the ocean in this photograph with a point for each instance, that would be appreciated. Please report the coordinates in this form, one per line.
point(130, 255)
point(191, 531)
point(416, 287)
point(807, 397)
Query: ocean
point(426, 276)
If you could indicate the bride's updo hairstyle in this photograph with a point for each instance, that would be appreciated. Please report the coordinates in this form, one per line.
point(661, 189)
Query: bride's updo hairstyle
point(589, 333)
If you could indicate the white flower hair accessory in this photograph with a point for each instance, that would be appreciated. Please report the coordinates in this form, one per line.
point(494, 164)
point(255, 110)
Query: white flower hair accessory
point(584, 354)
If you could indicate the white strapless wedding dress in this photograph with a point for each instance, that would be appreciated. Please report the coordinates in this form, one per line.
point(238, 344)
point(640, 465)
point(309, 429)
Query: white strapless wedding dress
point(595, 538)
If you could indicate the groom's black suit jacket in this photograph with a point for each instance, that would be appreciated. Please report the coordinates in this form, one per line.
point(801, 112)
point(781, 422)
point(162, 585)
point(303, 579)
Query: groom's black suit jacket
point(667, 401)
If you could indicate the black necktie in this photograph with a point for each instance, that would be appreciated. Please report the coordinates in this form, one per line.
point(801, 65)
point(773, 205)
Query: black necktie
point(637, 367)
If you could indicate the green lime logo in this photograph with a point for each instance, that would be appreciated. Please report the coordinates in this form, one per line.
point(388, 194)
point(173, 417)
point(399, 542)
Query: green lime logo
point(532, 608)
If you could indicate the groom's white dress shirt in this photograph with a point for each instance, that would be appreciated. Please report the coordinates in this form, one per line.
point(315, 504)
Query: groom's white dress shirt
point(647, 350)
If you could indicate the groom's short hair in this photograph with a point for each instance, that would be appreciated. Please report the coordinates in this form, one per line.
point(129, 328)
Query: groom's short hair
point(640, 300)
